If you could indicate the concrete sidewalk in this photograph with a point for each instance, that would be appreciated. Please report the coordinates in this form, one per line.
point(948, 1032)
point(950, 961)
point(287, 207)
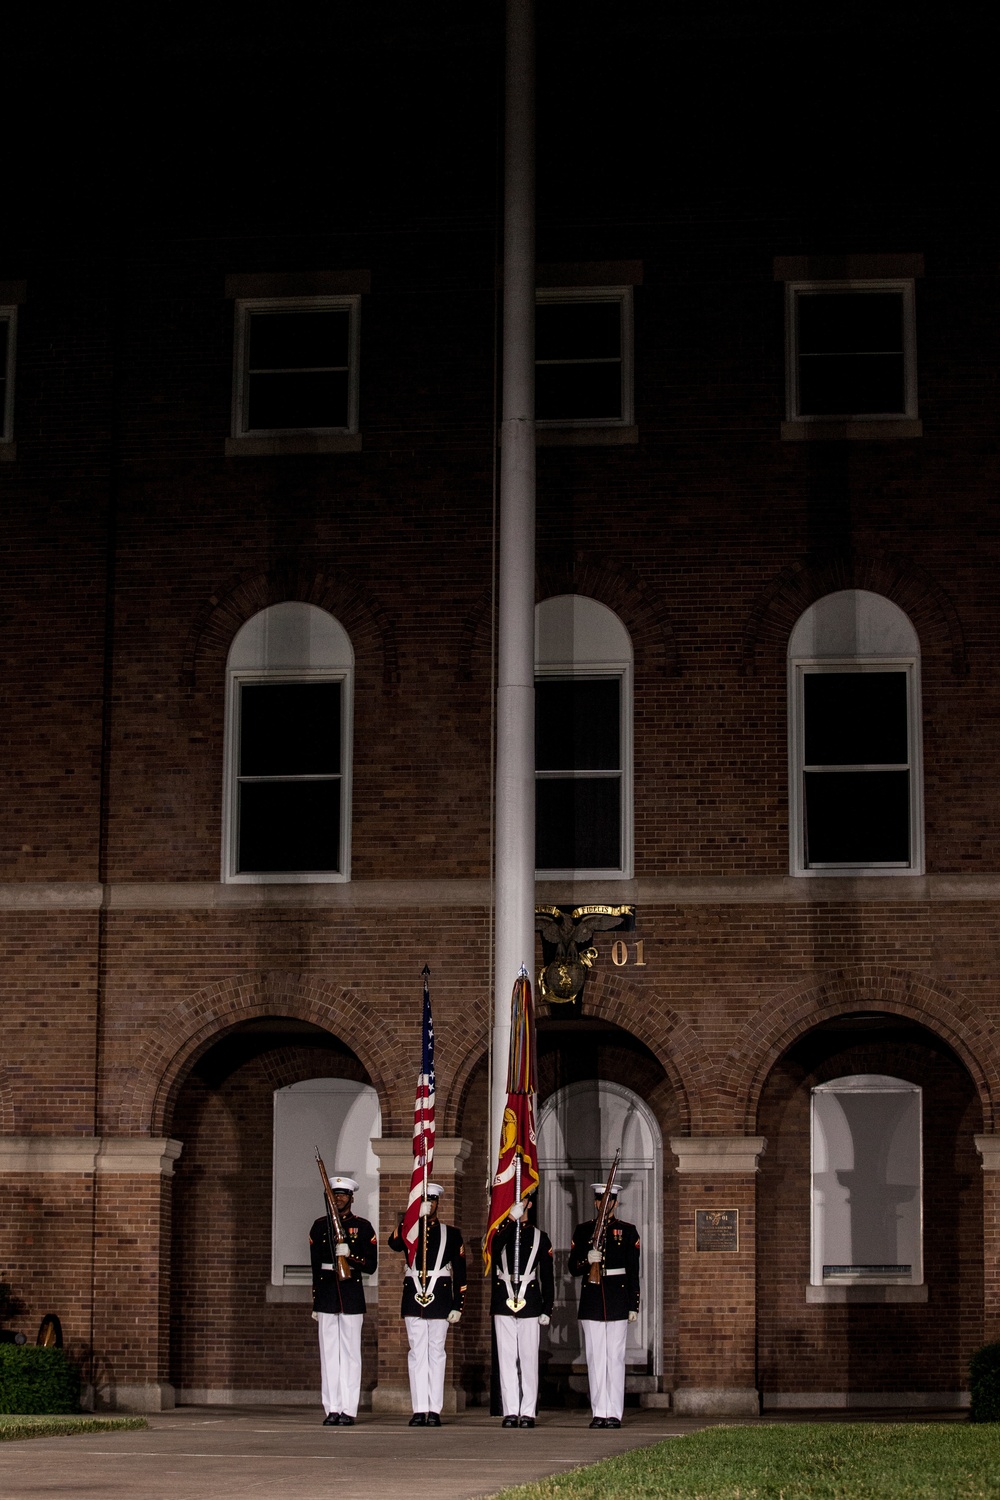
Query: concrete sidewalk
point(284, 1453)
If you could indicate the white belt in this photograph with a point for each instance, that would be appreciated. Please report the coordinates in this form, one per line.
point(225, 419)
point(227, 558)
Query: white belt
point(618, 1271)
point(327, 1265)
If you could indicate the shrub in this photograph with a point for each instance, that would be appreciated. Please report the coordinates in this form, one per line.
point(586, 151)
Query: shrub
point(984, 1384)
point(37, 1380)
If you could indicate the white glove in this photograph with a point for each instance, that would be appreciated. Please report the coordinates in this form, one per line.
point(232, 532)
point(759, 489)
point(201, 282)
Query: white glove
point(517, 1212)
point(632, 1316)
point(595, 1257)
point(315, 1317)
point(425, 1208)
point(454, 1316)
point(543, 1319)
point(342, 1249)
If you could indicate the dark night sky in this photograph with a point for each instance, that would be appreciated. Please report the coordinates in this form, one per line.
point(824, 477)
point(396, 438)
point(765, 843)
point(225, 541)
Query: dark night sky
point(388, 112)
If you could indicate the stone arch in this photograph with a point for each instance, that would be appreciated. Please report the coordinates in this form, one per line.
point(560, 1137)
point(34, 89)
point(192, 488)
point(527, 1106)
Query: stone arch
point(790, 593)
point(646, 619)
point(166, 1058)
point(745, 1068)
point(367, 622)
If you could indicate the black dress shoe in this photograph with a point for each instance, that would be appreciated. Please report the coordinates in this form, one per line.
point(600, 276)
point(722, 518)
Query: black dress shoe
point(332, 1419)
point(612, 1421)
point(419, 1419)
point(346, 1420)
point(433, 1419)
point(526, 1422)
point(509, 1422)
point(599, 1422)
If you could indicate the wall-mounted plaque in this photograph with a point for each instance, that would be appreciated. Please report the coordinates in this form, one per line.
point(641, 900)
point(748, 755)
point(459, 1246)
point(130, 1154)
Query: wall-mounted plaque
point(717, 1229)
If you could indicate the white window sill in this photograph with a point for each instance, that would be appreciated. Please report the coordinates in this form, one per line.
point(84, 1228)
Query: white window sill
point(867, 1291)
point(288, 877)
point(585, 437)
point(857, 430)
point(292, 443)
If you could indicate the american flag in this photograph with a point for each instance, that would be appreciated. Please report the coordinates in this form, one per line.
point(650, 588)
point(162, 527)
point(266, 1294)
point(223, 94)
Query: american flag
point(423, 1132)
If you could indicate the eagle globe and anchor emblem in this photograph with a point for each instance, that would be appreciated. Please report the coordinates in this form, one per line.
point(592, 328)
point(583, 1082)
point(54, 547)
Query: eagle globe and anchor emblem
point(566, 937)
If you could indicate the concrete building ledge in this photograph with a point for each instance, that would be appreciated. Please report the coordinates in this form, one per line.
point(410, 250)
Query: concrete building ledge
point(396, 1398)
point(988, 1147)
point(737, 1401)
point(190, 1395)
point(355, 895)
point(395, 1154)
point(870, 1292)
point(156, 1396)
point(864, 1400)
point(718, 1153)
point(136, 1156)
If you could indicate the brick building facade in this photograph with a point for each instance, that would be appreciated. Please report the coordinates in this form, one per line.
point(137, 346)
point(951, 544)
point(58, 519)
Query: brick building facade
point(154, 999)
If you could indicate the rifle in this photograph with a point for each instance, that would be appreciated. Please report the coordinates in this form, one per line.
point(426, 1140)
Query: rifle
point(333, 1220)
point(601, 1223)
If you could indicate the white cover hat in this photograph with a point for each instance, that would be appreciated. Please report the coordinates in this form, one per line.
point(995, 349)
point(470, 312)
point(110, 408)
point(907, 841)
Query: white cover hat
point(600, 1186)
point(343, 1184)
point(435, 1190)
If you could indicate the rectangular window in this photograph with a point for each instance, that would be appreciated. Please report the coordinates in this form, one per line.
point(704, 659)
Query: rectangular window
point(8, 340)
point(583, 357)
point(296, 366)
point(851, 351)
point(866, 1182)
point(579, 774)
point(289, 777)
point(855, 732)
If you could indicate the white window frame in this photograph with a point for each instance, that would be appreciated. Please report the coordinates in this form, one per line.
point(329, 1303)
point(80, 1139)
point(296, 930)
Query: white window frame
point(244, 309)
point(235, 679)
point(9, 315)
point(863, 1084)
point(623, 296)
point(613, 667)
point(793, 290)
point(799, 665)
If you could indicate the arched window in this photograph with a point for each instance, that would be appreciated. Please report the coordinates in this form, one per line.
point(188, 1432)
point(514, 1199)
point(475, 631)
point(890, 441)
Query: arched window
point(288, 748)
point(867, 1223)
point(583, 740)
point(340, 1116)
point(855, 793)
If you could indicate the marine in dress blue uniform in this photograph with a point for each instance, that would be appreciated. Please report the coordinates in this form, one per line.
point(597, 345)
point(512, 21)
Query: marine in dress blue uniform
point(522, 1292)
point(607, 1307)
point(339, 1306)
point(430, 1309)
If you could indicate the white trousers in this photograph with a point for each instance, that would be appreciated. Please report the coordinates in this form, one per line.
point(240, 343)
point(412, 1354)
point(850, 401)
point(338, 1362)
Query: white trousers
point(340, 1361)
point(426, 1362)
point(605, 1346)
point(517, 1344)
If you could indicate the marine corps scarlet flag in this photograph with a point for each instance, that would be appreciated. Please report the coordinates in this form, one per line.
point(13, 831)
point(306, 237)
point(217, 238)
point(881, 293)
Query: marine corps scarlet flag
point(517, 1166)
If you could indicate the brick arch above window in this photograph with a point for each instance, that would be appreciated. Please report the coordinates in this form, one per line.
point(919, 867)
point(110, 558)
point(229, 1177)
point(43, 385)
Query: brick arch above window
point(646, 618)
point(746, 1066)
point(163, 1061)
point(368, 623)
point(787, 596)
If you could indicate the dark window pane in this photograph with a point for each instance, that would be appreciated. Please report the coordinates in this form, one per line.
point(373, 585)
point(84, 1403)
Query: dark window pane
point(851, 385)
point(578, 824)
point(288, 825)
point(850, 322)
point(298, 340)
point(578, 330)
point(578, 725)
point(855, 718)
point(290, 729)
point(857, 817)
point(297, 401)
point(564, 393)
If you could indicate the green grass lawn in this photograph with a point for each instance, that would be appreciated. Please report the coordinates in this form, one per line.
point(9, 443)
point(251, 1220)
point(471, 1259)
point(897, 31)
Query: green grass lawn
point(14, 1428)
point(807, 1461)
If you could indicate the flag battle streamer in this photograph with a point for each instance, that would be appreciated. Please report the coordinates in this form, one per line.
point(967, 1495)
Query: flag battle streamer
point(517, 1134)
point(423, 1132)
